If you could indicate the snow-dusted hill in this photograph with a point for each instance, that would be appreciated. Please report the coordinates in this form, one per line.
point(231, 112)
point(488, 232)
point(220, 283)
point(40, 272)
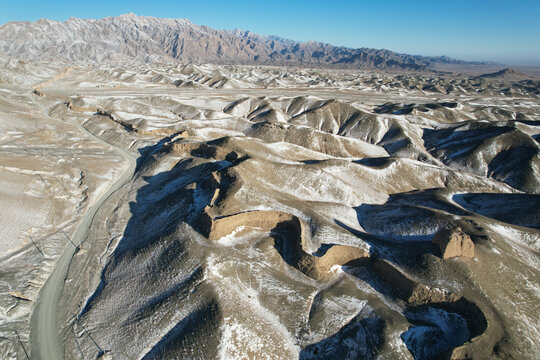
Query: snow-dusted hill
point(148, 39)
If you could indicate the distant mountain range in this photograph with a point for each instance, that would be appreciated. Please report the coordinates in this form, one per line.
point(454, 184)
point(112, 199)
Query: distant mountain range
point(141, 38)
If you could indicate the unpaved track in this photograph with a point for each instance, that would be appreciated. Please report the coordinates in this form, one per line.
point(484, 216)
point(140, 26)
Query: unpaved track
point(45, 339)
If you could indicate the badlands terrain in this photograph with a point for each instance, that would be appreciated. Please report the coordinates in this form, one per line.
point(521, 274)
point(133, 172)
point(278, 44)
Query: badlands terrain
point(159, 211)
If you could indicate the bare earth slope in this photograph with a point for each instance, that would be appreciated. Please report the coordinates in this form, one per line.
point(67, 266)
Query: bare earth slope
point(232, 212)
point(132, 37)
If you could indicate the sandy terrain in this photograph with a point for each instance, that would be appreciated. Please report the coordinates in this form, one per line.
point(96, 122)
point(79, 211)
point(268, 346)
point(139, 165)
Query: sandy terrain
point(235, 212)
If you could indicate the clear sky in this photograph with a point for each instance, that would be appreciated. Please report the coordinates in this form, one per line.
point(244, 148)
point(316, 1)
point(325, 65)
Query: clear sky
point(505, 31)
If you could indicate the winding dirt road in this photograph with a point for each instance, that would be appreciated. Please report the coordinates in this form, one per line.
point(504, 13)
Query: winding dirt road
point(45, 339)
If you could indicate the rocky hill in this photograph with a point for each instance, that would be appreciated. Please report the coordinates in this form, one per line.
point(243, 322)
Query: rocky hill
point(130, 37)
point(506, 74)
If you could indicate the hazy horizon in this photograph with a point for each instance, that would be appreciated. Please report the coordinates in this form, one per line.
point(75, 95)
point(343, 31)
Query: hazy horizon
point(461, 30)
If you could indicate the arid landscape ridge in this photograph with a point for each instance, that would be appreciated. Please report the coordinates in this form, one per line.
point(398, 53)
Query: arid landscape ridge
point(130, 37)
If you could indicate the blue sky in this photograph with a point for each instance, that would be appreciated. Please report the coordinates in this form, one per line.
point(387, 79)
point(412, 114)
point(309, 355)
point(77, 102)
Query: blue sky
point(503, 31)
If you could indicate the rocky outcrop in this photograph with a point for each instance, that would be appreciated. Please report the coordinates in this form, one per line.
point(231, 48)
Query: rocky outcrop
point(453, 242)
point(289, 235)
point(38, 92)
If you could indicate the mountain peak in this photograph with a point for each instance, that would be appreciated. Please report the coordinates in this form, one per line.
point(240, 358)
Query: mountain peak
point(127, 16)
point(130, 16)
